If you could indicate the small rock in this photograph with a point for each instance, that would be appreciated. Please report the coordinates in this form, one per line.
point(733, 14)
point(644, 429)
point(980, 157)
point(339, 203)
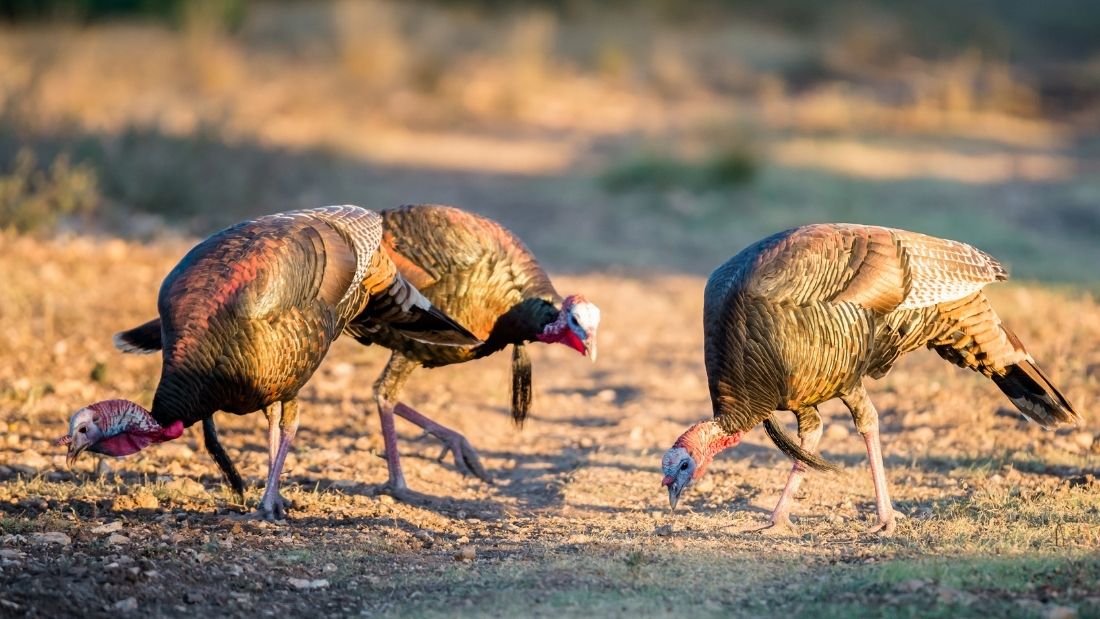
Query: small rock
point(192, 597)
point(186, 486)
point(304, 583)
point(110, 527)
point(34, 460)
point(52, 537)
point(329, 568)
point(1060, 612)
point(385, 499)
point(9, 553)
point(911, 586)
point(1084, 441)
point(466, 553)
point(116, 539)
point(836, 432)
point(144, 499)
point(176, 451)
point(923, 434)
point(587, 442)
point(950, 595)
point(606, 395)
point(463, 540)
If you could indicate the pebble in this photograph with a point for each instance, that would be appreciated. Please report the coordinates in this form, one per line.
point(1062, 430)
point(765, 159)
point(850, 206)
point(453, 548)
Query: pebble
point(145, 500)
point(34, 460)
point(385, 499)
point(466, 553)
point(304, 583)
point(836, 432)
point(52, 537)
point(110, 527)
point(192, 597)
point(606, 395)
point(1084, 441)
point(587, 442)
point(186, 486)
point(1060, 612)
point(923, 434)
point(115, 539)
point(127, 605)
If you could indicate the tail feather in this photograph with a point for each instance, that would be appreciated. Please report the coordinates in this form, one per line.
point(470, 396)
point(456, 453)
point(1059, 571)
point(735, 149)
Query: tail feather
point(1036, 396)
point(787, 445)
point(521, 384)
point(214, 447)
point(402, 307)
point(141, 340)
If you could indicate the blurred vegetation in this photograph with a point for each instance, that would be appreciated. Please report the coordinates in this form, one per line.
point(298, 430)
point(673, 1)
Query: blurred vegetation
point(227, 13)
point(728, 167)
point(36, 199)
point(604, 133)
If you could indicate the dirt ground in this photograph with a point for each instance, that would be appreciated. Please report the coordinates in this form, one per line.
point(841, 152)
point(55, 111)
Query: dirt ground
point(1003, 518)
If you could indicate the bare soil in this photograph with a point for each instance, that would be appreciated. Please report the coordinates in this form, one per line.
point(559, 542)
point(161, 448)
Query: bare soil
point(1003, 518)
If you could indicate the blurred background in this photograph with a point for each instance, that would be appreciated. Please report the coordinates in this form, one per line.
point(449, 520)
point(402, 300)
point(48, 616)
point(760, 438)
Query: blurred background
point(638, 136)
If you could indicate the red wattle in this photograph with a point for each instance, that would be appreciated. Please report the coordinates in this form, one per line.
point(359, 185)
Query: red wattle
point(571, 340)
point(668, 480)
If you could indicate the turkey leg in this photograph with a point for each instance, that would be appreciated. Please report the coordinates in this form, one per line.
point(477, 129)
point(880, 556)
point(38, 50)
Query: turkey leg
point(466, 458)
point(396, 482)
point(282, 424)
point(781, 515)
point(866, 418)
point(809, 430)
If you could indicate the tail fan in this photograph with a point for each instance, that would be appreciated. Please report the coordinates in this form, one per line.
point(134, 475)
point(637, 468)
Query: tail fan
point(214, 447)
point(1036, 396)
point(521, 384)
point(787, 445)
point(141, 340)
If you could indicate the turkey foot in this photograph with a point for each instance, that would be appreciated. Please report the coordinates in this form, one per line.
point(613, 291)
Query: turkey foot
point(465, 456)
point(885, 526)
point(780, 526)
point(270, 509)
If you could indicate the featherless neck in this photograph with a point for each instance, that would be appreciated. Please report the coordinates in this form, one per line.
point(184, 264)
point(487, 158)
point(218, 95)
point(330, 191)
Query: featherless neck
point(706, 439)
point(117, 416)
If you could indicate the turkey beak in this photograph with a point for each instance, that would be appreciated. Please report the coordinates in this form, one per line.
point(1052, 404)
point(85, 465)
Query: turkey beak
point(74, 451)
point(590, 347)
point(674, 490)
point(76, 447)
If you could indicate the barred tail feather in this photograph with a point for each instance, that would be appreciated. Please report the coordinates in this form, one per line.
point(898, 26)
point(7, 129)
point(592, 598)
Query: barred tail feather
point(405, 309)
point(787, 445)
point(1036, 396)
point(521, 384)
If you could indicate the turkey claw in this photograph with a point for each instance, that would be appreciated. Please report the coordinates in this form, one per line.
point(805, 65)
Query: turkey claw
point(270, 510)
point(779, 527)
point(465, 456)
point(883, 528)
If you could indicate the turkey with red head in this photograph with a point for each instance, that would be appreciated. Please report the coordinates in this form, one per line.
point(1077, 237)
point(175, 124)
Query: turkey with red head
point(245, 319)
point(483, 276)
point(802, 316)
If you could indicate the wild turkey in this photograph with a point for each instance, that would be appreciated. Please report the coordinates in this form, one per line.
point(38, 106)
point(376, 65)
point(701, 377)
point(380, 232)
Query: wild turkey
point(245, 319)
point(802, 316)
point(481, 274)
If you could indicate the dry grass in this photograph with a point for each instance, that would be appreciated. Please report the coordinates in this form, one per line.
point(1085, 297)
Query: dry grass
point(1003, 517)
point(632, 151)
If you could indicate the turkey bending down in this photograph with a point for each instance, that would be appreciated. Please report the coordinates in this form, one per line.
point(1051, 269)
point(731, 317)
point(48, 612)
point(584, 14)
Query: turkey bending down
point(245, 319)
point(482, 275)
point(802, 316)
